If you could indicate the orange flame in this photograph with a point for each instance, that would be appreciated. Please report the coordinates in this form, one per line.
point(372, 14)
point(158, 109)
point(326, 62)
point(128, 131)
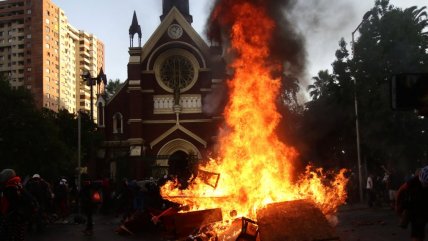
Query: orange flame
point(255, 166)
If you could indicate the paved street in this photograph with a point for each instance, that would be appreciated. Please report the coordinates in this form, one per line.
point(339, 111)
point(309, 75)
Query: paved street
point(356, 223)
point(359, 223)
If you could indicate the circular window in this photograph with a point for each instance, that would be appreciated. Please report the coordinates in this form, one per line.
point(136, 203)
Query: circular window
point(176, 69)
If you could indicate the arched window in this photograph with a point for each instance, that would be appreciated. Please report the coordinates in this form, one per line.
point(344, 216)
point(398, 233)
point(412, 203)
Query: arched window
point(118, 123)
point(100, 114)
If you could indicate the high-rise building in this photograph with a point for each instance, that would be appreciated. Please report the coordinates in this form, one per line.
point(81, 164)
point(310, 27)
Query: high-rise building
point(90, 60)
point(42, 52)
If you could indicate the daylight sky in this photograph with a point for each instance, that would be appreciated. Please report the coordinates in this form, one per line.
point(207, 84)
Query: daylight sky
point(322, 22)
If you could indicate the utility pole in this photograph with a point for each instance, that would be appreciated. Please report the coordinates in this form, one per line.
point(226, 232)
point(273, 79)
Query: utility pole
point(357, 129)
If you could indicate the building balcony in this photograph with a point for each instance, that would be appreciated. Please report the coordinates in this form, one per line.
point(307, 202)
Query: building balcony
point(5, 44)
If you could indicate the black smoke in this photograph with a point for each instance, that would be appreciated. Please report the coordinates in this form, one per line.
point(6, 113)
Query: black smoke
point(287, 45)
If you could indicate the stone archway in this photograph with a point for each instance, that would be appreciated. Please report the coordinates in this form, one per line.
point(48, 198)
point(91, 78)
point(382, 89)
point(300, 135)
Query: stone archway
point(178, 153)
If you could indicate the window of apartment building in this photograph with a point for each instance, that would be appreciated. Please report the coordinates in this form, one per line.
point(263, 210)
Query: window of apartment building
point(9, 40)
point(47, 21)
point(47, 37)
point(29, 11)
point(28, 69)
point(48, 62)
point(48, 46)
point(48, 29)
point(28, 36)
point(48, 95)
point(49, 14)
point(48, 71)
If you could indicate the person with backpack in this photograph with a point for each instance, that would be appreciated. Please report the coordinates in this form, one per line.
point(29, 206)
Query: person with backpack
point(90, 198)
point(412, 204)
point(16, 206)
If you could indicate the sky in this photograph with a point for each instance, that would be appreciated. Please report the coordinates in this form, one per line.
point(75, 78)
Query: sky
point(322, 22)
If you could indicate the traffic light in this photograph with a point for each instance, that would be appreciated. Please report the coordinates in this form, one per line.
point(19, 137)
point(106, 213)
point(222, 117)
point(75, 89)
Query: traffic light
point(410, 92)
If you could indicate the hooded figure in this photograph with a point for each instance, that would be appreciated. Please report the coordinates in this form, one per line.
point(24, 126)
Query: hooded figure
point(16, 206)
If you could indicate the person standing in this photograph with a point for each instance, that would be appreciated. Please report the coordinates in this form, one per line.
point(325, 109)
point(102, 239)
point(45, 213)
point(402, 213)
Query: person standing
point(16, 206)
point(90, 197)
point(370, 190)
point(61, 199)
point(42, 193)
point(412, 204)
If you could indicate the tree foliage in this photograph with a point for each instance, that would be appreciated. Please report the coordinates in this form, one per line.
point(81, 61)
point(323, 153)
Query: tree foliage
point(112, 87)
point(391, 41)
point(40, 141)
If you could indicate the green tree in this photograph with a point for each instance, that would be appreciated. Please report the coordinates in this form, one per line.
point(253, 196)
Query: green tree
point(40, 141)
point(112, 87)
point(391, 41)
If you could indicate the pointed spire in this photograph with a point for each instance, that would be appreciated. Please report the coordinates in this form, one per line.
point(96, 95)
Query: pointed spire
point(102, 77)
point(133, 29)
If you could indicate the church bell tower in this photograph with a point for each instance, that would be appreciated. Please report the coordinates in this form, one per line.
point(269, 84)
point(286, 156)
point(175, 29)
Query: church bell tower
point(181, 5)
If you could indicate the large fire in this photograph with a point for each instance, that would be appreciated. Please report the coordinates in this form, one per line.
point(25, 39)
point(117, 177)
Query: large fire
point(255, 166)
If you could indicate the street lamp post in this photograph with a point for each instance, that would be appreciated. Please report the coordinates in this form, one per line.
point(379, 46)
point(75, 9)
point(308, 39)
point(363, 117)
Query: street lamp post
point(79, 165)
point(357, 129)
point(91, 81)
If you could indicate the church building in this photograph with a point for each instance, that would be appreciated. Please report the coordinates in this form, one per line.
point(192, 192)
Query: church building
point(166, 115)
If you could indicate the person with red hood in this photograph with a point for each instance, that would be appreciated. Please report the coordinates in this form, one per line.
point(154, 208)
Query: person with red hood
point(16, 206)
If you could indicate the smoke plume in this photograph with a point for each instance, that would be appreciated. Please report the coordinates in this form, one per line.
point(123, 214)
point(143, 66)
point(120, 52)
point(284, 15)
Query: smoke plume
point(286, 46)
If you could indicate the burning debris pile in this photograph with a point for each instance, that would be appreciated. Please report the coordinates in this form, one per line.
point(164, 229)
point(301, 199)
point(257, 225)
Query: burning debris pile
point(255, 167)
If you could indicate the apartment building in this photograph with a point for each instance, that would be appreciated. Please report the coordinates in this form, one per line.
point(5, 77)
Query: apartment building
point(90, 59)
point(42, 52)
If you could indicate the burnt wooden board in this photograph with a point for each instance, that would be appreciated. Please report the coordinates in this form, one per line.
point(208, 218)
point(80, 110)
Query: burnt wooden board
point(297, 220)
point(183, 224)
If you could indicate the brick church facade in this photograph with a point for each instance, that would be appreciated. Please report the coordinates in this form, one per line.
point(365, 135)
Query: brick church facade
point(162, 116)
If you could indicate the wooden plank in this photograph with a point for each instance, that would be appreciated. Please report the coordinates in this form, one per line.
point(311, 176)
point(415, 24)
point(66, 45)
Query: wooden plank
point(183, 224)
point(297, 220)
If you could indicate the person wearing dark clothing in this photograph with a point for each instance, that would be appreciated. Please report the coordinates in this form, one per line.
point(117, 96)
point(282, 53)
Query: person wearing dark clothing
point(61, 199)
point(412, 204)
point(16, 206)
point(89, 199)
point(393, 184)
point(42, 193)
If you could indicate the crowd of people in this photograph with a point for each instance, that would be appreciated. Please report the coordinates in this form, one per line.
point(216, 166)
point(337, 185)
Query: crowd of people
point(29, 205)
point(406, 194)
